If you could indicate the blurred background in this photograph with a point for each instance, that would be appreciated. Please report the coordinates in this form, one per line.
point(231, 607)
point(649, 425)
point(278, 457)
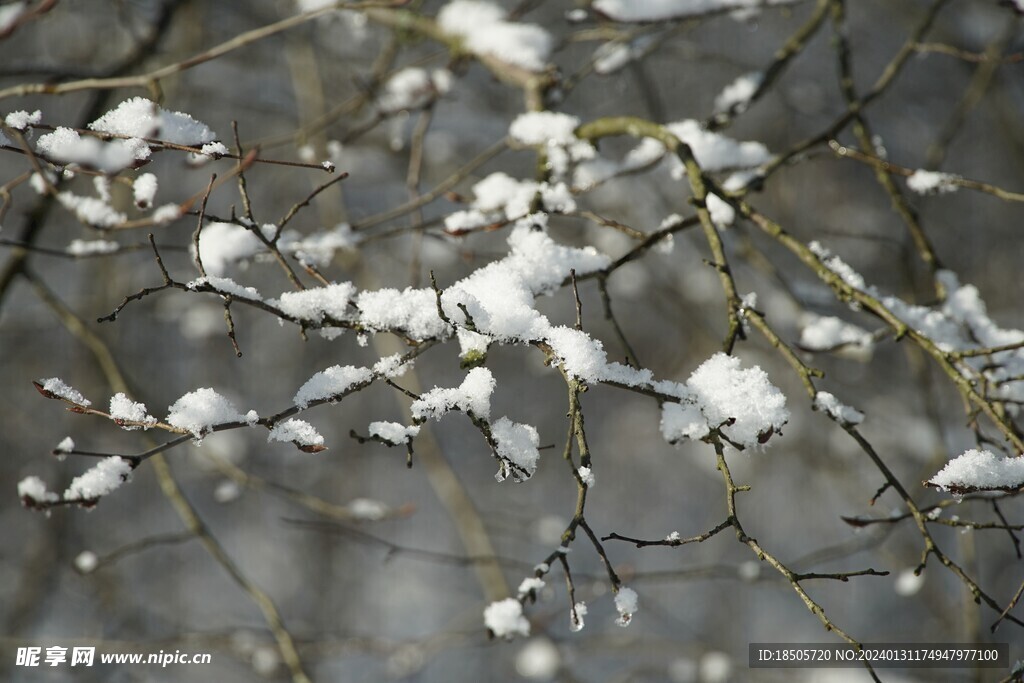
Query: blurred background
point(359, 598)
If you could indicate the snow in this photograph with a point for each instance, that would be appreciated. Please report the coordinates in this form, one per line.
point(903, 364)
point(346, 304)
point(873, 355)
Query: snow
point(330, 384)
point(227, 491)
point(735, 97)
point(34, 489)
point(296, 431)
point(495, 191)
point(715, 152)
point(86, 562)
point(666, 245)
point(722, 213)
point(472, 345)
point(715, 667)
point(576, 614)
point(932, 182)
point(367, 509)
point(9, 15)
point(499, 295)
point(66, 146)
point(581, 356)
point(983, 470)
point(199, 410)
point(544, 127)
point(837, 265)
point(21, 120)
point(712, 151)
point(314, 5)
point(318, 249)
point(473, 395)
point(411, 310)
point(461, 17)
point(102, 185)
point(590, 173)
point(499, 194)
point(103, 478)
point(661, 10)
point(530, 583)
point(612, 56)
point(960, 323)
point(393, 432)
point(517, 443)
point(505, 619)
point(223, 244)
point(824, 333)
point(459, 222)
point(144, 190)
point(538, 660)
point(557, 198)
point(392, 366)
point(316, 303)
point(58, 388)
point(908, 583)
point(166, 214)
point(214, 149)
point(225, 285)
point(682, 421)
point(40, 182)
point(91, 211)
point(66, 445)
point(724, 391)
point(844, 414)
point(626, 604)
point(484, 31)
point(90, 247)
point(412, 88)
point(140, 118)
point(123, 408)
point(586, 476)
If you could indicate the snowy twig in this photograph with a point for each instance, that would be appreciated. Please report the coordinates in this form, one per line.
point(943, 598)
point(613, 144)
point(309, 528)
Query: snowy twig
point(790, 49)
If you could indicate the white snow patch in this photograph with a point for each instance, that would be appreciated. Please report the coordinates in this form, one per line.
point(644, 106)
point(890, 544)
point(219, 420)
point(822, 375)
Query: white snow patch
point(840, 412)
point(316, 303)
point(505, 619)
point(123, 408)
point(330, 384)
point(517, 443)
point(484, 31)
point(140, 118)
point(725, 391)
point(57, 387)
point(983, 470)
point(104, 477)
point(473, 395)
point(199, 410)
point(21, 120)
point(626, 601)
point(932, 182)
point(144, 190)
point(394, 432)
point(296, 431)
point(34, 489)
